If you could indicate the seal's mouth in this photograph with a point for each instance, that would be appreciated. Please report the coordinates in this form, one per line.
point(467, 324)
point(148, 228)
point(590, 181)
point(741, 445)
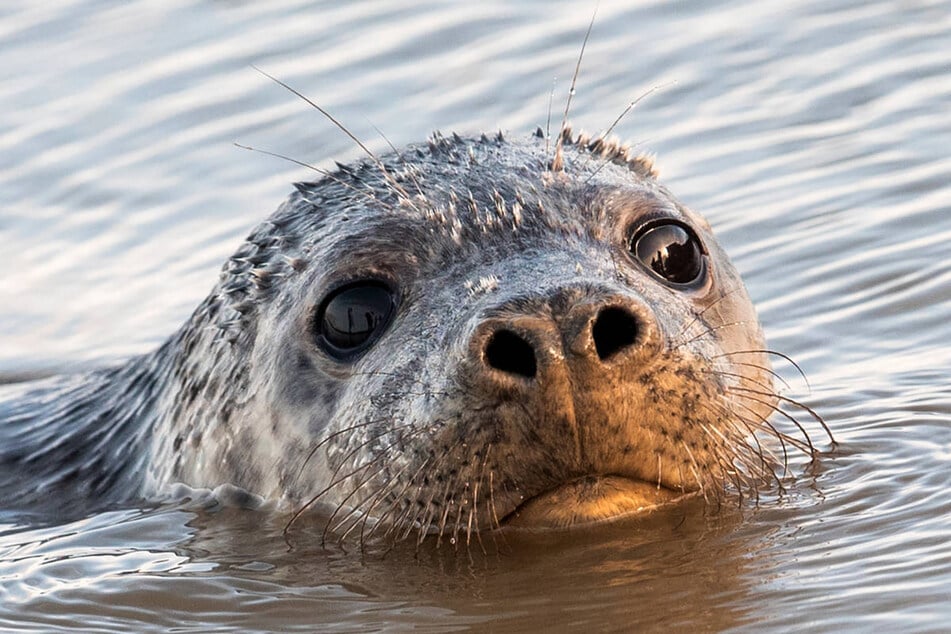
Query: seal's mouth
point(592, 500)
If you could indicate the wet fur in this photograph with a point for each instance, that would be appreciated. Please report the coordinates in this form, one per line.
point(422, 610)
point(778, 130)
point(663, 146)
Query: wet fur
point(400, 444)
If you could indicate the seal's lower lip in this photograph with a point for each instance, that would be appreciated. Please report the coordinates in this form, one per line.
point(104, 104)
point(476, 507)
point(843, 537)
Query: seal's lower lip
point(591, 500)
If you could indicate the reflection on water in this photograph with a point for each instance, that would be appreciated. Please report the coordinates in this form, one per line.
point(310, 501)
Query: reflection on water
point(238, 563)
point(813, 136)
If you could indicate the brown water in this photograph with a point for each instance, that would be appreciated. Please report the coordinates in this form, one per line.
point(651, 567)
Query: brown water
point(815, 136)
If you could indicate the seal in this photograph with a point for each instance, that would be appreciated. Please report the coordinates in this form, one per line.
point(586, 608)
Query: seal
point(465, 334)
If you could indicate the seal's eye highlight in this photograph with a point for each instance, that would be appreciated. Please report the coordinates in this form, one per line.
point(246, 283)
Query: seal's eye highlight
point(671, 251)
point(352, 317)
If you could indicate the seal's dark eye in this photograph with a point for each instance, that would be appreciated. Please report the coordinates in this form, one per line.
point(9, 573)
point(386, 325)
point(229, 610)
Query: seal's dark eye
point(353, 316)
point(671, 251)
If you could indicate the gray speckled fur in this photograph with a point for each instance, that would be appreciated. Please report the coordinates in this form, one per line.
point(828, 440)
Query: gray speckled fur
point(467, 230)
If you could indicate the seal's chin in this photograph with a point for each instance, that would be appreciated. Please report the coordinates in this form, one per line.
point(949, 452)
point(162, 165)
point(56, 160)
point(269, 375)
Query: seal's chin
point(592, 500)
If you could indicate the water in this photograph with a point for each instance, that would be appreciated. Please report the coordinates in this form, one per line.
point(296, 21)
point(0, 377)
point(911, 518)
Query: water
point(814, 136)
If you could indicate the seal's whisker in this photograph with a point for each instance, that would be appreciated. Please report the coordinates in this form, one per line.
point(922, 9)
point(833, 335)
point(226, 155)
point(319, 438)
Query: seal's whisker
point(699, 314)
point(472, 510)
point(361, 516)
point(695, 469)
point(478, 488)
point(335, 481)
point(744, 478)
point(391, 522)
point(457, 524)
point(730, 472)
point(356, 510)
point(763, 425)
point(633, 104)
point(736, 375)
point(774, 353)
point(475, 506)
point(405, 523)
point(384, 491)
point(447, 505)
point(496, 522)
point(383, 519)
point(340, 432)
point(760, 424)
point(681, 478)
point(726, 447)
point(557, 162)
point(406, 165)
point(710, 331)
point(606, 133)
point(351, 520)
point(347, 457)
point(325, 173)
point(763, 455)
point(759, 452)
point(551, 99)
point(405, 518)
point(766, 369)
point(785, 399)
point(424, 522)
point(398, 496)
point(386, 174)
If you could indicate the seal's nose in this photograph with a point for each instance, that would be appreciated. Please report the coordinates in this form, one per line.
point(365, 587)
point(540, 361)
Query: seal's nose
point(614, 330)
point(526, 346)
point(508, 352)
point(561, 372)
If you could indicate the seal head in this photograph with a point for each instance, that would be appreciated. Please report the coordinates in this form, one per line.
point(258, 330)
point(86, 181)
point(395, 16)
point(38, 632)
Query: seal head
point(450, 338)
point(459, 337)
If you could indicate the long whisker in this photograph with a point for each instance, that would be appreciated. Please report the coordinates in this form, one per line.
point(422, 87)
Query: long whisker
point(698, 316)
point(812, 413)
point(336, 481)
point(403, 525)
point(325, 173)
point(710, 331)
point(557, 162)
point(603, 136)
point(695, 468)
point(768, 370)
point(741, 377)
point(806, 447)
point(383, 517)
point(368, 475)
point(399, 157)
point(760, 452)
point(774, 353)
point(633, 104)
point(376, 497)
point(339, 432)
point(551, 99)
point(763, 425)
point(397, 496)
point(386, 174)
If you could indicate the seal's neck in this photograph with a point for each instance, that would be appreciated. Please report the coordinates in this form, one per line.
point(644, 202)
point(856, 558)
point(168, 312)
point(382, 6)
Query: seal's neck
point(73, 444)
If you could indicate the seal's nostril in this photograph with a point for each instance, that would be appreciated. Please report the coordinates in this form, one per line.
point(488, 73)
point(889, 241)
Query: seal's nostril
point(614, 330)
point(508, 352)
